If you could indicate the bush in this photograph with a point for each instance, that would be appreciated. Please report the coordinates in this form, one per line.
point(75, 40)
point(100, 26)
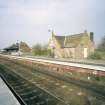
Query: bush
point(40, 50)
point(100, 51)
point(97, 78)
point(96, 55)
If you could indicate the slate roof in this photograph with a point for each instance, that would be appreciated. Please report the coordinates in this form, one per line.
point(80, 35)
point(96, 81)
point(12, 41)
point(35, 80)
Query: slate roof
point(70, 40)
point(12, 47)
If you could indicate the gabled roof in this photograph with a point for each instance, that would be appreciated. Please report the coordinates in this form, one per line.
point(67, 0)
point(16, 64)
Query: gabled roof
point(22, 46)
point(70, 40)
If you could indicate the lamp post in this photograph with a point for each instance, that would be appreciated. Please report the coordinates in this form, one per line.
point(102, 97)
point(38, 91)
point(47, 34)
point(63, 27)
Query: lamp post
point(52, 46)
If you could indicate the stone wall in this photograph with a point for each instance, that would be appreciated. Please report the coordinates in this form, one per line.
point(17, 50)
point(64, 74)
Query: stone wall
point(76, 51)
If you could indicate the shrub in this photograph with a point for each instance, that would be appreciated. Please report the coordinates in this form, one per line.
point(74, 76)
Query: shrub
point(96, 55)
point(40, 50)
point(97, 78)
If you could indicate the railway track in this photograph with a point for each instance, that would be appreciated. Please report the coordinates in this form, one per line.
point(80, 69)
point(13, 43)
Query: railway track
point(31, 94)
point(58, 90)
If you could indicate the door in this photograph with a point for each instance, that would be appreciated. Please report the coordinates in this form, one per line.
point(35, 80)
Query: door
point(85, 52)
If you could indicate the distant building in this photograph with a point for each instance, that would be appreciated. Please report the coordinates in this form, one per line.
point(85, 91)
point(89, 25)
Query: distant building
point(24, 48)
point(18, 49)
point(72, 46)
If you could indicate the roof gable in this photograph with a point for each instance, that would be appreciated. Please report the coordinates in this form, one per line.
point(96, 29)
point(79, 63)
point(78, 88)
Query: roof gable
point(60, 40)
point(71, 40)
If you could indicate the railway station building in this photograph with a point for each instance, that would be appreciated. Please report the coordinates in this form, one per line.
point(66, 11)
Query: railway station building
point(18, 49)
point(72, 46)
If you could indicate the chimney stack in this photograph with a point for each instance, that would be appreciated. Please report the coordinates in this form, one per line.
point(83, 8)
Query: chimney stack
point(91, 35)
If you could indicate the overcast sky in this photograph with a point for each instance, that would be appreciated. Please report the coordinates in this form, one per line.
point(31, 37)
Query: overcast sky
point(30, 20)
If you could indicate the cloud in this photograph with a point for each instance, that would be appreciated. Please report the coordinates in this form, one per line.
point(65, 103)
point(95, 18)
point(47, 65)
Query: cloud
point(36, 16)
point(32, 18)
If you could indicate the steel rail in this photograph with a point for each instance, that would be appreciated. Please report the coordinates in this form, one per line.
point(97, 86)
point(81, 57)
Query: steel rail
point(20, 100)
point(58, 98)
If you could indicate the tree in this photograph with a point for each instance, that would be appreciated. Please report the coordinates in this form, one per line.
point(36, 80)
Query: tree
point(100, 51)
point(40, 50)
point(37, 49)
point(101, 46)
